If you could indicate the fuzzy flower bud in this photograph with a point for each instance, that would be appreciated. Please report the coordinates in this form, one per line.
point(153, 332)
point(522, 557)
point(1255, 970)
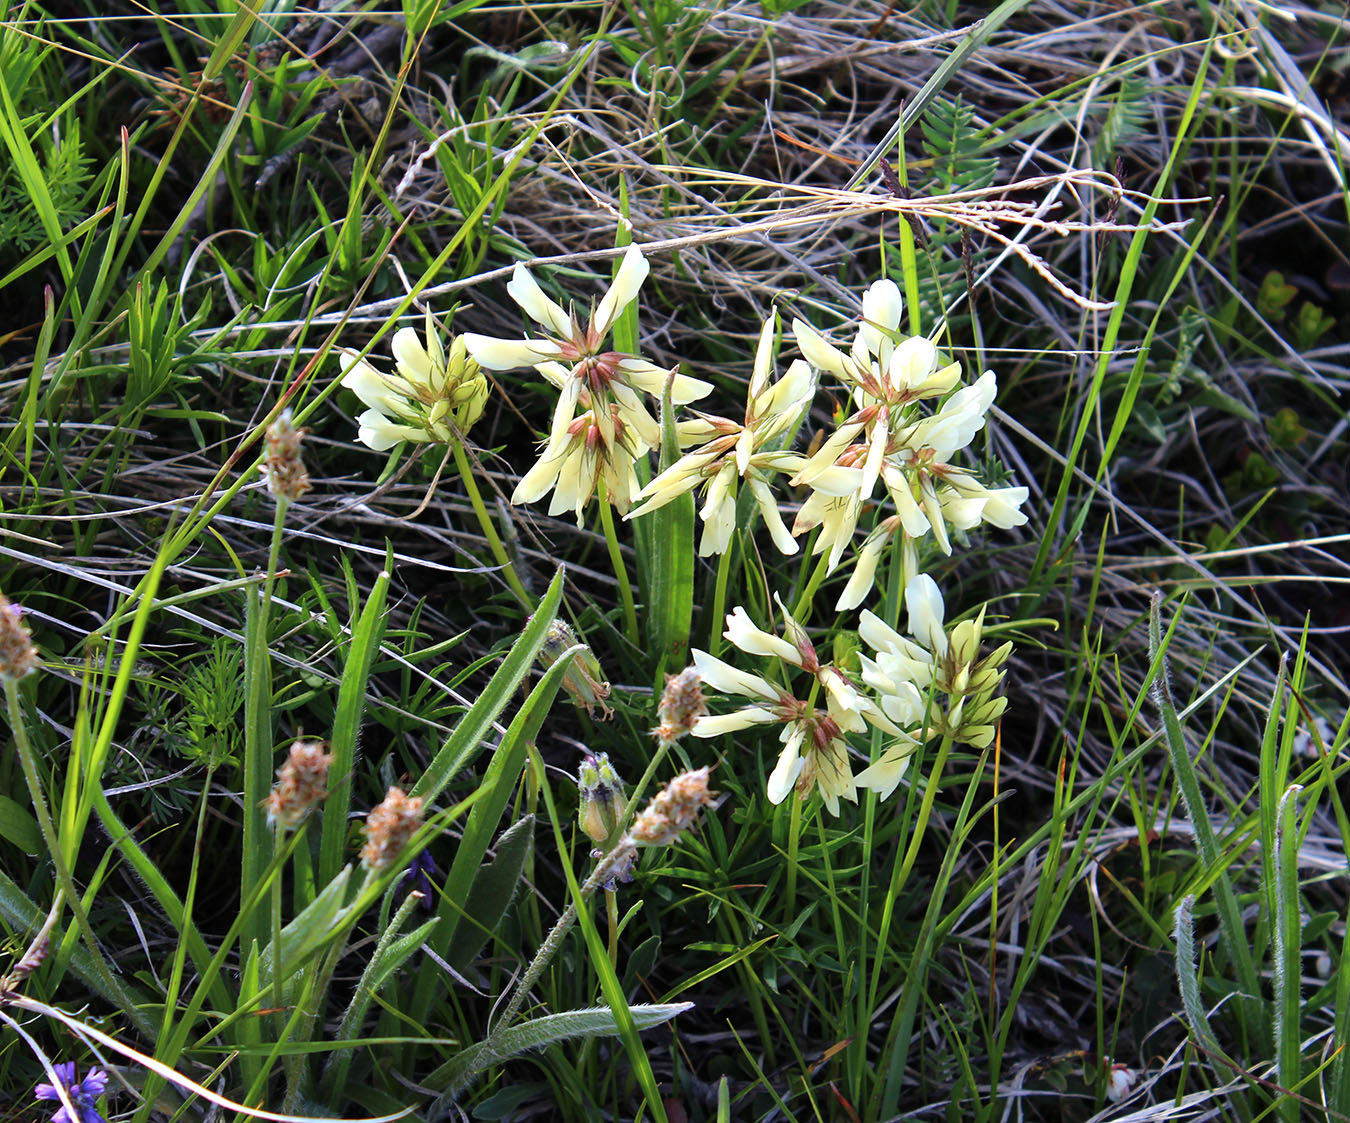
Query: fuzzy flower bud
point(18, 656)
point(388, 829)
point(287, 479)
point(301, 785)
point(583, 679)
point(682, 703)
point(602, 801)
point(672, 810)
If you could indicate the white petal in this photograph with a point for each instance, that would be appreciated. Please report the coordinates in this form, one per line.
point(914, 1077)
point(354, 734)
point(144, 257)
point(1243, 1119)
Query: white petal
point(368, 384)
point(875, 632)
point(413, 361)
point(715, 725)
point(379, 433)
point(912, 363)
point(885, 775)
point(507, 354)
point(1002, 508)
point(882, 308)
point(622, 292)
point(819, 353)
point(727, 679)
point(788, 768)
point(648, 376)
point(864, 574)
point(768, 509)
point(923, 599)
point(754, 641)
point(539, 480)
point(759, 375)
point(525, 291)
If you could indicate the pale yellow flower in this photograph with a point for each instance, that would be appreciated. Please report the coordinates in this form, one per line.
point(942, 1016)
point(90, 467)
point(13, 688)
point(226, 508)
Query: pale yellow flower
point(814, 755)
point(604, 387)
point(741, 453)
point(434, 396)
point(934, 684)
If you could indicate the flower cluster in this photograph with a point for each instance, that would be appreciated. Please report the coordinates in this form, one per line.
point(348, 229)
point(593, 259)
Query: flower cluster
point(601, 425)
point(894, 468)
point(18, 656)
point(389, 827)
point(815, 752)
point(680, 706)
point(80, 1093)
point(287, 479)
point(672, 810)
point(302, 783)
point(433, 397)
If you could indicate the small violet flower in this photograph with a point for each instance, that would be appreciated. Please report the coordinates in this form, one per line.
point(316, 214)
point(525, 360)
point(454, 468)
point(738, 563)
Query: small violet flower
point(81, 1093)
point(417, 879)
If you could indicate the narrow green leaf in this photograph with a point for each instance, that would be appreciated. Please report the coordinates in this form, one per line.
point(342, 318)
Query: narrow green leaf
point(493, 890)
point(670, 591)
point(346, 732)
point(1235, 939)
point(469, 736)
point(596, 1021)
point(1288, 955)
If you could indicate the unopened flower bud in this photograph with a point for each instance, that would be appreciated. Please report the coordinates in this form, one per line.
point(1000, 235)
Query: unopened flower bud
point(583, 679)
point(672, 810)
point(602, 802)
point(682, 703)
point(389, 827)
point(302, 783)
point(18, 656)
point(287, 479)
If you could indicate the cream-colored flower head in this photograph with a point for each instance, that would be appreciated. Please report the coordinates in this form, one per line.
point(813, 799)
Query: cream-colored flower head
point(600, 413)
point(931, 685)
point(434, 396)
point(737, 453)
point(815, 749)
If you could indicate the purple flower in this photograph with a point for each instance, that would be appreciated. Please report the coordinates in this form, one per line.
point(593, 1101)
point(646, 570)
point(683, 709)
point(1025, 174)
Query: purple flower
point(81, 1093)
point(417, 877)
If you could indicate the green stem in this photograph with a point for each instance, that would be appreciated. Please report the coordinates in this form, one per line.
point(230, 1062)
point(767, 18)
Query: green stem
point(554, 939)
point(794, 837)
point(925, 809)
point(630, 625)
point(489, 531)
point(803, 606)
point(612, 916)
point(112, 988)
point(719, 602)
